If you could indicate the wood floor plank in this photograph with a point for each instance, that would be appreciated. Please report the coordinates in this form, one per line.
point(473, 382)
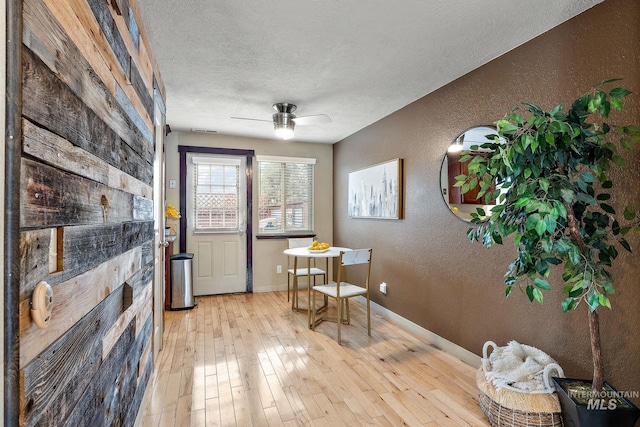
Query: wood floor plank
point(249, 360)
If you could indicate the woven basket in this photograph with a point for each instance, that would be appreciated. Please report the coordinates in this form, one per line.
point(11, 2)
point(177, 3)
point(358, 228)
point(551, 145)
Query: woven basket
point(510, 408)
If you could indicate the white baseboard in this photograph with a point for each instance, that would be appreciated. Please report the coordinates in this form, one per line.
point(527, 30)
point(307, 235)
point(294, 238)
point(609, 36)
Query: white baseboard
point(270, 288)
point(442, 343)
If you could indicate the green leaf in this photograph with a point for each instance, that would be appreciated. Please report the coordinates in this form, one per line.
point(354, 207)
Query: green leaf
point(516, 118)
point(619, 161)
point(508, 291)
point(625, 244)
point(604, 108)
point(619, 92)
point(615, 228)
point(586, 198)
point(607, 208)
point(587, 177)
point(522, 201)
point(629, 213)
point(574, 254)
point(603, 196)
point(542, 284)
point(593, 301)
point(537, 295)
point(568, 304)
point(516, 238)
point(578, 286)
point(544, 184)
point(529, 291)
point(607, 184)
point(604, 301)
point(616, 103)
point(608, 287)
point(541, 227)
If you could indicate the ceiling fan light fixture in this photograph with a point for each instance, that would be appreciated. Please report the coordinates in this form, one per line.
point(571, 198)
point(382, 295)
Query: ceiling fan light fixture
point(283, 124)
point(284, 132)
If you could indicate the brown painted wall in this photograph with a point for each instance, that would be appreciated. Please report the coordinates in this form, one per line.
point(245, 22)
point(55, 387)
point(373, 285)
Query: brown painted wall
point(436, 277)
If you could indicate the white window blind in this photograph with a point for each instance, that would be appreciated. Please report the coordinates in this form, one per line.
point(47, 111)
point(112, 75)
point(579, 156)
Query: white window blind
point(216, 194)
point(285, 194)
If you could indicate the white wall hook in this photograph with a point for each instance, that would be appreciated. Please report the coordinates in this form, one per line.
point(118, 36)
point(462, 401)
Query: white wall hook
point(42, 304)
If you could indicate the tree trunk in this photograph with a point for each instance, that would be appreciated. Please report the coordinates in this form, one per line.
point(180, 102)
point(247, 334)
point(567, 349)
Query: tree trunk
point(594, 319)
point(596, 351)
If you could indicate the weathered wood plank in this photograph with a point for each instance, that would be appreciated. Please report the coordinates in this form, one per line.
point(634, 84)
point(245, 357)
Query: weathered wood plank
point(73, 299)
point(55, 198)
point(137, 308)
point(103, 15)
point(97, 405)
point(49, 103)
point(140, 279)
point(34, 259)
point(48, 40)
point(58, 152)
point(107, 400)
point(86, 247)
point(146, 362)
point(142, 209)
point(51, 381)
point(83, 248)
point(147, 63)
point(76, 17)
point(132, 113)
point(125, 182)
point(132, 163)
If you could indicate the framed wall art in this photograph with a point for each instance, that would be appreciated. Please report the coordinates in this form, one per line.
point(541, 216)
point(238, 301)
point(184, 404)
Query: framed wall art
point(376, 191)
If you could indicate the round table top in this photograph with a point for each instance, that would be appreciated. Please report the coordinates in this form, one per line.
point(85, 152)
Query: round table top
point(333, 251)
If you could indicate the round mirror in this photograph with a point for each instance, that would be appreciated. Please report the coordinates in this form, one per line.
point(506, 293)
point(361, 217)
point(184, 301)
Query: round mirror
point(462, 205)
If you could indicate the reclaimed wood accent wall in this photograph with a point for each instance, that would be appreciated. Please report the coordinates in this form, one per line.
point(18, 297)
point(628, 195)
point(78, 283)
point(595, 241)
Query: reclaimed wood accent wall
point(86, 211)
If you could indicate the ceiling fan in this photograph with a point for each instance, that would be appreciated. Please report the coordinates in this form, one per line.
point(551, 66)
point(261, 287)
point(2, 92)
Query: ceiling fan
point(284, 121)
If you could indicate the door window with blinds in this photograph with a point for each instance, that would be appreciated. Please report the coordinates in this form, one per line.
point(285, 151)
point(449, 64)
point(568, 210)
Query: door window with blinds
point(285, 195)
point(216, 194)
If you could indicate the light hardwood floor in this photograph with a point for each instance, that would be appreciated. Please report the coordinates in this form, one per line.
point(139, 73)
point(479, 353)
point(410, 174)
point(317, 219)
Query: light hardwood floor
point(247, 359)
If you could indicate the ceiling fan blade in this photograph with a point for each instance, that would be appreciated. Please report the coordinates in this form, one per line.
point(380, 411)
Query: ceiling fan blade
point(311, 120)
point(255, 120)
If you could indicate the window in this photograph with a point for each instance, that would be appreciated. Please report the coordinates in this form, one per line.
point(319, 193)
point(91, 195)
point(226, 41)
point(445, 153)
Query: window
point(285, 195)
point(216, 194)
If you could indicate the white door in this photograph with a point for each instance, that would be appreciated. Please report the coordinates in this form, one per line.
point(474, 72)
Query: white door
point(216, 222)
point(158, 226)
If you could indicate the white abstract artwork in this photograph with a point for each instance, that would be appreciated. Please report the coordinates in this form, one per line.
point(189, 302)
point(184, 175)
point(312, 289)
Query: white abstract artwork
point(376, 191)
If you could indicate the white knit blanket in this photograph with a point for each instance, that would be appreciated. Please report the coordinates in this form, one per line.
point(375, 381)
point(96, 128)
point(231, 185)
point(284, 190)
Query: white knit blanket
point(520, 368)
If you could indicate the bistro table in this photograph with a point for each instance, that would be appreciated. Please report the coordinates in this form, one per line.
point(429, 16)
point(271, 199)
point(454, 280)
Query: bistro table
point(304, 252)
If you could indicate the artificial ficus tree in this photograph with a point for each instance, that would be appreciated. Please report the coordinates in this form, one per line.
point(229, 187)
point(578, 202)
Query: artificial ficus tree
point(549, 172)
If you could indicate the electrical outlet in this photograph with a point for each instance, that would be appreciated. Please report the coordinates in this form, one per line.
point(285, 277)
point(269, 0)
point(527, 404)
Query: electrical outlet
point(172, 183)
point(383, 288)
point(278, 269)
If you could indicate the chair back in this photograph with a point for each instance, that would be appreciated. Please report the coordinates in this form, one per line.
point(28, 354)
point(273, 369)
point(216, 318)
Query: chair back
point(354, 257)
point(300, 242)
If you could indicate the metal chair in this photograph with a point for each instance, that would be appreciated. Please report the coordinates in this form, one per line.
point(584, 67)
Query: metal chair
point(301, 242)
point(343, 290)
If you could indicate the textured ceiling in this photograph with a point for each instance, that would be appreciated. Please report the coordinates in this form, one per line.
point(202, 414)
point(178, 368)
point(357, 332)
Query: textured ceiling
point(353, 60)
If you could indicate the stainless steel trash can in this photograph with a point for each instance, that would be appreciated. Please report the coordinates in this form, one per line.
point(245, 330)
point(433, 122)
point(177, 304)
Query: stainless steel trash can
point(182, 282)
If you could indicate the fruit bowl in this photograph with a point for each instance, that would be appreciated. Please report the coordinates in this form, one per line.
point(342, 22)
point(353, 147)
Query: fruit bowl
point(319, 247)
